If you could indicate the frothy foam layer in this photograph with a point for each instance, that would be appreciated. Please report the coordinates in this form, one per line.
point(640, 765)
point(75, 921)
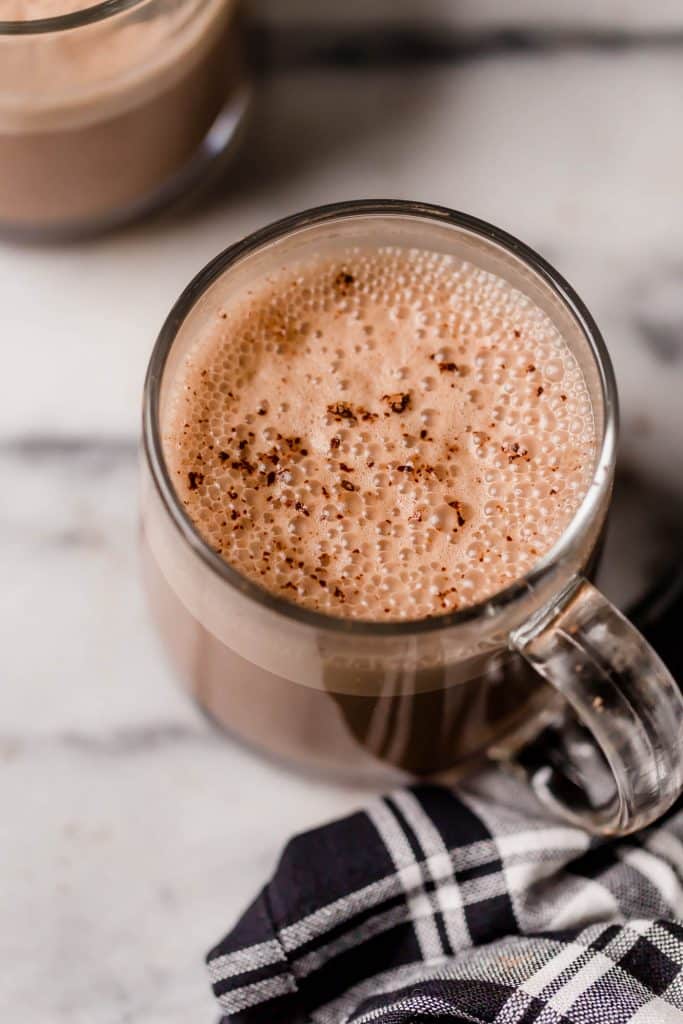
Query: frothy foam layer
point(390, 434)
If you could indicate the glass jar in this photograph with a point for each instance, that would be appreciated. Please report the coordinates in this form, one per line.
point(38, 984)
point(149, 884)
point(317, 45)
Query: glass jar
point(110, 111)
point(386, 700)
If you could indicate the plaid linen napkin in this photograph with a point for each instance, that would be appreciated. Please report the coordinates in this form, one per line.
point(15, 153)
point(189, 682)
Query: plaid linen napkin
point(461, 906)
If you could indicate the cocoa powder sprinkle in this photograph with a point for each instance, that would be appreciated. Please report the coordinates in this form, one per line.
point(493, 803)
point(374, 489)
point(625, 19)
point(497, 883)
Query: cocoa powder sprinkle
point(398, 402)
point(458, 507)
point(341, 411)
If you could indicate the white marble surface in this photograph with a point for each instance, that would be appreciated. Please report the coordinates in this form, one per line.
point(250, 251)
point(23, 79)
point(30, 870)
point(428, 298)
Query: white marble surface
point(612, 15)
point(132, 834)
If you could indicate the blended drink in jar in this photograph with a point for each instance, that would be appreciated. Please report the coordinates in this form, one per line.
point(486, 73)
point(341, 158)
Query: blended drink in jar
point(375, 437)
point(386, 435)
point(100, 112)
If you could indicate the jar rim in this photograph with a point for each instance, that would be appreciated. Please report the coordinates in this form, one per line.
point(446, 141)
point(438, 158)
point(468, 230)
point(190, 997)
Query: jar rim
point(64, 22)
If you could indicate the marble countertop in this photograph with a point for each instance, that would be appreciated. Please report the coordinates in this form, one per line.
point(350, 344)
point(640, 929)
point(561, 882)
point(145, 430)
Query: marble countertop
point(132, 834)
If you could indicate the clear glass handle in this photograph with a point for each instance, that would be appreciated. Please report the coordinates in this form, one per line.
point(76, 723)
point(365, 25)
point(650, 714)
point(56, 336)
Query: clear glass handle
point(612, 761)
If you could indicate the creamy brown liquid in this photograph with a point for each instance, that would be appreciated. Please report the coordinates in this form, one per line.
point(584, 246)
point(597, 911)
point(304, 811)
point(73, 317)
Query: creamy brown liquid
point(94, 119)
point(450, 723)
point(385, 435)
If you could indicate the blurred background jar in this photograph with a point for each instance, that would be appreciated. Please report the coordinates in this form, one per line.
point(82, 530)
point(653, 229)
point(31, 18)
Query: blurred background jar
point(109, 111)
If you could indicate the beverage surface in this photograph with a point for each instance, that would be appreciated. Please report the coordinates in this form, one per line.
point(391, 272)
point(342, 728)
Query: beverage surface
point(387, 434)
point(68, 78)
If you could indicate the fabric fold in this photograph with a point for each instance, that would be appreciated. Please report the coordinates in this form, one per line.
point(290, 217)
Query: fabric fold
point(471, 906)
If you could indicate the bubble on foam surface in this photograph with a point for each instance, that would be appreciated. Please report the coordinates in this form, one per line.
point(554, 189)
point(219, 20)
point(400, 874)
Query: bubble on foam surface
point(390, 434)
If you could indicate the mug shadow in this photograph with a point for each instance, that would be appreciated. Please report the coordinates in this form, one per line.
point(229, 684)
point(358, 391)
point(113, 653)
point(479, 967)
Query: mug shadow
point(642, 562)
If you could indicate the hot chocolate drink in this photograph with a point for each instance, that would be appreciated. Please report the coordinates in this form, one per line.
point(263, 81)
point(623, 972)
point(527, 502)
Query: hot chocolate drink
point(388, 434)
point(98, 116)
point(378, 448)
point(352, 441)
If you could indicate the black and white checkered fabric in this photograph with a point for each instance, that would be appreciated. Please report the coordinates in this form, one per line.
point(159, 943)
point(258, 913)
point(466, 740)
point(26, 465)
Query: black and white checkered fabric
point(461, 907)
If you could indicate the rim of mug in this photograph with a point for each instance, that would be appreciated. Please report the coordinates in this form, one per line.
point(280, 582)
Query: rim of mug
point(74, 19)
point(153, 447)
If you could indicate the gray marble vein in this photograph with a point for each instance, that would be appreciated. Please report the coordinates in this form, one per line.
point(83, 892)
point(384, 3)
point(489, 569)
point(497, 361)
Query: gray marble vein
point(120, 742)
point(100, 452)
point(379, 45)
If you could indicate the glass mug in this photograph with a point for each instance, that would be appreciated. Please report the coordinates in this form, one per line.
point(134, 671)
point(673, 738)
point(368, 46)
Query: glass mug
point(546, 673)
point(114, 110)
